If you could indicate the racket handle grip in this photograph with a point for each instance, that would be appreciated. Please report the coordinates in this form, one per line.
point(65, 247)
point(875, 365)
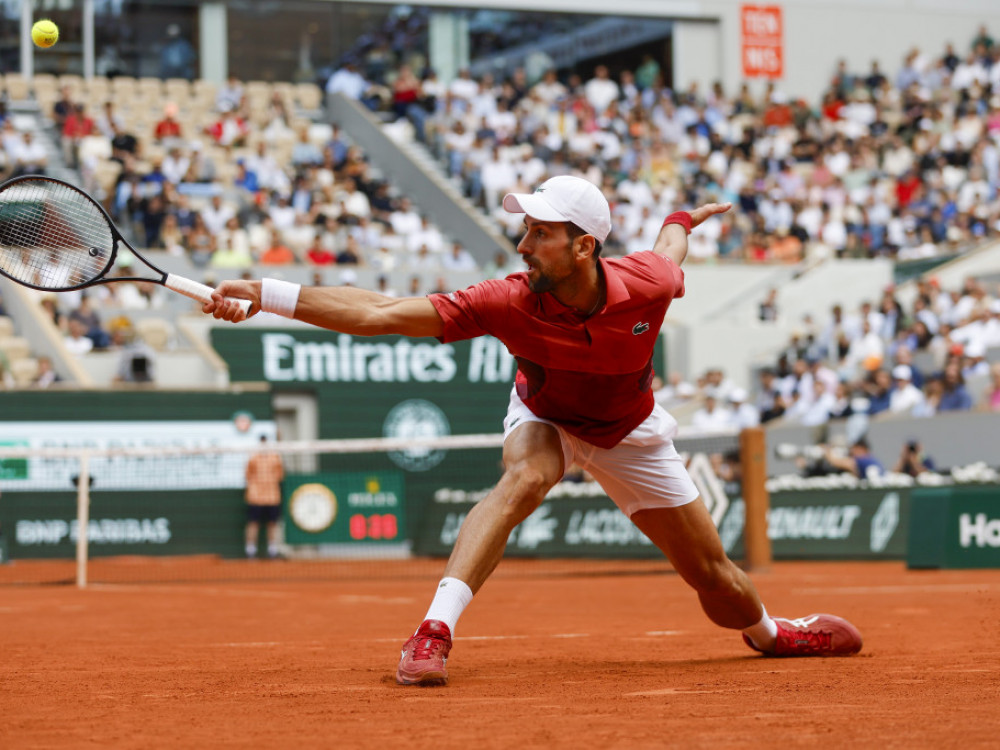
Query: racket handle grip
point(197, 291)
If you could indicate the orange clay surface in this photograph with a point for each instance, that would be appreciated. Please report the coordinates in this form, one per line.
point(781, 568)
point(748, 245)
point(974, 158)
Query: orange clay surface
point(574, 659)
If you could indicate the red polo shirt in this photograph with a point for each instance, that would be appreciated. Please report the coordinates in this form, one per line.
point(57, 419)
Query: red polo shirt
point(591, 375)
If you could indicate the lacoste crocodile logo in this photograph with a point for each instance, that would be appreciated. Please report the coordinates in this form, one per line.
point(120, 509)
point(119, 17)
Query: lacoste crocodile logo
point(639, 328)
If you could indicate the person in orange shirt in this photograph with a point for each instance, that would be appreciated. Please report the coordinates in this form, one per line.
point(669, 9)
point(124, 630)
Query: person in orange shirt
point(277, 253)
point(784, 247)
point(264, 473)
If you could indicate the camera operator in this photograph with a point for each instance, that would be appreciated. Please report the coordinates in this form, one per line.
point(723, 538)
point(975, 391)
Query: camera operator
point(913, 460)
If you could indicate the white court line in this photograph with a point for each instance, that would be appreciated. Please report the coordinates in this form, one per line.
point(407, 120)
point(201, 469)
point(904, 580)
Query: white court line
point(900, 589)
point(271, 644)
point(654, 633)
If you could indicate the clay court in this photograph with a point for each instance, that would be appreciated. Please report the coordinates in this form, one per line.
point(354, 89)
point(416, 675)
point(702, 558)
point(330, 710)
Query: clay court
point(595, 655)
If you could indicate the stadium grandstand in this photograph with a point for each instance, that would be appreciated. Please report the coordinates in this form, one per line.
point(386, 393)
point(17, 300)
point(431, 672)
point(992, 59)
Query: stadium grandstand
point(833, 365)
point(855, 285)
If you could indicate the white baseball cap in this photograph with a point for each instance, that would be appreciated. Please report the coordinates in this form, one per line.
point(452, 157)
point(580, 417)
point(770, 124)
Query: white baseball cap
point(565, 198)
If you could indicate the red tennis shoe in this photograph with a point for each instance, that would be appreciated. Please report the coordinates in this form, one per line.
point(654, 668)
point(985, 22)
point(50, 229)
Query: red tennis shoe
point(424, 656)
point(815, 635)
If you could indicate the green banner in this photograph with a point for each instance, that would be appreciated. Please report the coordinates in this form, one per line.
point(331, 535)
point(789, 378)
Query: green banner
point(590, 526)
point(345, 508)
point(955, 527)
point(828, 525)
point(151, 522)
point(386, 386)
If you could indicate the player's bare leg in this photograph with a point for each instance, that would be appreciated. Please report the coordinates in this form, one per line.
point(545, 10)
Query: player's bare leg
point(533, 463)
point(688, 537)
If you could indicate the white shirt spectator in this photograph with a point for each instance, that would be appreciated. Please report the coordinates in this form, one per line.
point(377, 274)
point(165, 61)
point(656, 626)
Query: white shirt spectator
point(904, 396)
point(704, 240)
point(458, 259)
point(711, 416)
point(174, 166)
point(428, 235)
point(282, 214)
point(29, 153)
point(744, 415)
point(347, 81)
point(463, 87)
point(405, 221)
point(601, 90)
point(216, 214)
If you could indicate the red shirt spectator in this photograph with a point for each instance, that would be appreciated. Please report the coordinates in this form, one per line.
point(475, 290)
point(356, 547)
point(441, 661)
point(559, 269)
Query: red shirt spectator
point(78, 124)
point(320, 256)
point(906, 187)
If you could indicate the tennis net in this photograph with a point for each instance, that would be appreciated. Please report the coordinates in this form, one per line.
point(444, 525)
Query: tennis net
point(383, 507)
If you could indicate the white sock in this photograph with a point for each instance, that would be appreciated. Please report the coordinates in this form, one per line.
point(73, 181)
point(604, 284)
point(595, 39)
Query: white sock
point(251, 550)
point(764, 634)
point(452, 597)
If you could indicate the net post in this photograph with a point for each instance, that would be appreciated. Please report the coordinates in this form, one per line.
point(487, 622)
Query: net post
point(82, 519)
point(753, 462)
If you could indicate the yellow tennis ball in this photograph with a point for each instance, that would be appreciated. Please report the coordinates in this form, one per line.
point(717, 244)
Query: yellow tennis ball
point(44, 33)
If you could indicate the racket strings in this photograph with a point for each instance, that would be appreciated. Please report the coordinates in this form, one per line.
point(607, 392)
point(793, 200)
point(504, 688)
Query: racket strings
point(51, 235)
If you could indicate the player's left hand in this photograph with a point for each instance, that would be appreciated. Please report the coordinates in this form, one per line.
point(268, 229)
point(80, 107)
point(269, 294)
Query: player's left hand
point(701, 213)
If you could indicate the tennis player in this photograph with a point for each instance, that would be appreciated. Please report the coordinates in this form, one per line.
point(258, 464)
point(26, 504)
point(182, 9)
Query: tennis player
point(582, 330)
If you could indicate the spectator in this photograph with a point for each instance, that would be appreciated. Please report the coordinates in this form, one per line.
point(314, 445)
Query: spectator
point(860, 462)
point(349, 82)
point(46, 374)
point(63, 108)
point(124, 145)
point(277, 252)
point(879, 389)
point(913, 460)
point(319, 255)
point(29, 157)
point(76, 340)
point(78, 125)
point(91, 321)
point(954, 396)
point(136, 360)
point(264, 474)
point(744, 414)
point(201, 243)
point(458, 259)
point(230, 130)
point(769, 307)
point(770, 400)
point(711, 417)
point(167, 129)
point(991, 395)
point(305, 153)
point(229, 97)
point(178, 56)
point(905, 396)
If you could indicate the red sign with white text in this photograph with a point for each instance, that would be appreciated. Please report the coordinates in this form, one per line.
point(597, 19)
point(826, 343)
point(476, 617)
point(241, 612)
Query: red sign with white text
point(762, 41)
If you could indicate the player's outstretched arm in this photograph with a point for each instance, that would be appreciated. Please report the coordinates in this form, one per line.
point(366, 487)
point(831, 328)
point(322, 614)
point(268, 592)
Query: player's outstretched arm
point(672, 240)
point(346, 309)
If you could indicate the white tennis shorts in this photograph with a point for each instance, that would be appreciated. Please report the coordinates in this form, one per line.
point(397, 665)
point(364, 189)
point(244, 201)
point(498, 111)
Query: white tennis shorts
point(643, 471)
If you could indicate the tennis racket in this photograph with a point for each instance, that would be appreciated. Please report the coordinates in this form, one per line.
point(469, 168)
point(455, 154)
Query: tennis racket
point(56, 238)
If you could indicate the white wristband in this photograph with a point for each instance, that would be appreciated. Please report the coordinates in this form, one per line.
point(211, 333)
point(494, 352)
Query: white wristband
point(279, 297)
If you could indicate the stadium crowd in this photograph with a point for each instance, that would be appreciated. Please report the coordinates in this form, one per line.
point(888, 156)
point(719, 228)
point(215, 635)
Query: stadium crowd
point(905, 165)
point(880, 359)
